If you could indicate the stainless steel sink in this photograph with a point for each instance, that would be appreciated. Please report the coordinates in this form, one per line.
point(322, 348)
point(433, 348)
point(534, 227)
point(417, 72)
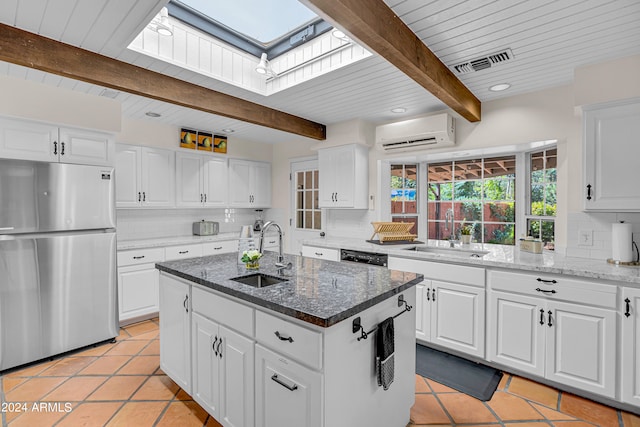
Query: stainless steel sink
point(259, 280)
point(457, 252)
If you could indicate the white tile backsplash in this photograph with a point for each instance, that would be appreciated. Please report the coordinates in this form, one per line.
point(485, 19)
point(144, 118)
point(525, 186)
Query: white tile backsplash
point(349, 223)
point(600, 224)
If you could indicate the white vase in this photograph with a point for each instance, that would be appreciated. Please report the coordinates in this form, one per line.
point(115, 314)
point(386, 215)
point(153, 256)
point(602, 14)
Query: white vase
point(465, 238)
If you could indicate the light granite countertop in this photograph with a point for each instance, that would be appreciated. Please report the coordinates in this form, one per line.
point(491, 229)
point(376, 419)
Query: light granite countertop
point(501, 256)
point(316, 291)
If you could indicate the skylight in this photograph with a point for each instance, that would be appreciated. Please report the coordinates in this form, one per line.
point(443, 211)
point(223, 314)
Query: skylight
point(261, 20)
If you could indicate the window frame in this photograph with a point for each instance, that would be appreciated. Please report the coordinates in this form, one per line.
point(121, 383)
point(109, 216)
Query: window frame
point(527, 215)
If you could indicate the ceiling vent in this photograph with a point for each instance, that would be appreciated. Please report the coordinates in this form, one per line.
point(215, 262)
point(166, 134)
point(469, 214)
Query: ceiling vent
point(484, 62)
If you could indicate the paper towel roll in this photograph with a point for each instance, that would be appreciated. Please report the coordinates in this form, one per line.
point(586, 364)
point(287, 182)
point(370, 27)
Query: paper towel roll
point(621, 235)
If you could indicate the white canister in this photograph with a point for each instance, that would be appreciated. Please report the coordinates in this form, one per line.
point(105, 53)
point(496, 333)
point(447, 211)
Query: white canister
point(621, 242)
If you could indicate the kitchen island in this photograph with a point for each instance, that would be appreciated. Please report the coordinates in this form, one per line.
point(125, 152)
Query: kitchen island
point(291, 353)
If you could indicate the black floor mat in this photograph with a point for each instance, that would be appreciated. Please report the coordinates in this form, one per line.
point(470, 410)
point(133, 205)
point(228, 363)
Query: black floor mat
point(468, 377)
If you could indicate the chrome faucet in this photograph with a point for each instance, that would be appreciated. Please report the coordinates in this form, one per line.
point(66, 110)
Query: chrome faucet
point(449, 224)
point(265, 227)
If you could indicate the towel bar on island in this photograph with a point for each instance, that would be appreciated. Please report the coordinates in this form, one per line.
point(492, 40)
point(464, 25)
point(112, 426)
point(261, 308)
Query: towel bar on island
point(357, 322)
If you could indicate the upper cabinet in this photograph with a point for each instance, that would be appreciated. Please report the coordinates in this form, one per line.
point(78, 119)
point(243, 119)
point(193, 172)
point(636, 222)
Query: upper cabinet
point(144, 177)
point(201, 180)
point(21, 139)
point(249, 184)
point(344, 176)
point(610, 153)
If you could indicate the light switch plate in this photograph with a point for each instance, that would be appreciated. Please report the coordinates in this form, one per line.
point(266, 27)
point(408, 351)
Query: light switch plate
point(585, 238)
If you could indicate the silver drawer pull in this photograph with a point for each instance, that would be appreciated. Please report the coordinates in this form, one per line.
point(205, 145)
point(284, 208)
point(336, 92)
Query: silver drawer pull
point(138, 257)
point(282, 338)
point(183, 252)
point(283, 384)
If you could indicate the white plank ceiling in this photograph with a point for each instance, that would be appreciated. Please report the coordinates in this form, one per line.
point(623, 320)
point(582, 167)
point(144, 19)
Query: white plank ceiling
point(548, 38)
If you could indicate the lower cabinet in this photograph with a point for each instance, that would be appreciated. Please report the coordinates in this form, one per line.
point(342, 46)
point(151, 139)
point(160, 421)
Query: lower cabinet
point(223, 366)
point(321, 253)
point(630, 335)
point(138, 281)
point(287, 393)
point(175, 331)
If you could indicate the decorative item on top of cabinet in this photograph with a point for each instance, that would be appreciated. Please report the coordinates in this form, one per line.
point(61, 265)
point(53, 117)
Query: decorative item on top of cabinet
point(188, 138)
point(144, 177)
point(344, 176)
point(205, 141)
point(610, 153)
point(249, 184)
point(27, 140)
point(201, 180)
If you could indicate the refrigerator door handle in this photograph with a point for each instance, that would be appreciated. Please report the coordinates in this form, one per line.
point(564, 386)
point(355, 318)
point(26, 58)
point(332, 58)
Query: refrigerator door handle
point(7, 228)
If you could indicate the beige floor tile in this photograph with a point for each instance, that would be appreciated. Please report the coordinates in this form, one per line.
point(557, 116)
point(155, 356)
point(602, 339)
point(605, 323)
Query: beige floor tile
point(182, 395)
point(90, 414)
point(141, 328)
point(68, 366)
point(552, 415)
point(185, 414)
point(440, 388)
point(504, 381)
point(466, 409)
point(118, 388)
point(34, 389)
point(75, 389)
point(98, 350)
point(141, 365)
point(32, 370)
point(576, 424)
point(527, 424)
point(39, 418)
point(157, 388)
point(536, 392)
point(153, 348)
point(588, 410)
point(126, 348)
point(630, 420)
point(421, 385)
point(9, 383)
point(123, 335)
point(512, 408)
point(212, 422)
point(105, 365)
point(138, 414)
point(427, 410)
point(148, 336)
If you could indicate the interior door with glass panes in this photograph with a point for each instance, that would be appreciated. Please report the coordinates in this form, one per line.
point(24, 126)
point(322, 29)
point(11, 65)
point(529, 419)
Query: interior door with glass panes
point(307, 218)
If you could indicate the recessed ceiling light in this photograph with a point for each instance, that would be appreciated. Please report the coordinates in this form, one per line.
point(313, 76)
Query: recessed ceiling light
point(227, 130)
point(152, 114)
point(500, 87)
point(399, 110)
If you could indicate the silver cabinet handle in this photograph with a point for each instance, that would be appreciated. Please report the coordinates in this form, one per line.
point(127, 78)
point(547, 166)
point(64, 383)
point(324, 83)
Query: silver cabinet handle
point(215, 341)
point(283, 384)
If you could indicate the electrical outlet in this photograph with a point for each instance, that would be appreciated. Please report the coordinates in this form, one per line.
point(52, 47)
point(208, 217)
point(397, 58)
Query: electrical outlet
point(585, 238)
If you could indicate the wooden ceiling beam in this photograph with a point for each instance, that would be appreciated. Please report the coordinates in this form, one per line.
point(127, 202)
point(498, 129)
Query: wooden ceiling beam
point(34, 51)
point(374, 25)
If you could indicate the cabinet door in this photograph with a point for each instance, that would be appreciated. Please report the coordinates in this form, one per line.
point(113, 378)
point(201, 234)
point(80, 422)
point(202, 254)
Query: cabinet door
point(86, 147)
point(239, 183)
point(175, 337)
point(630, 346)
point(516, 331)
point(344, 169)
point(137, 290)
point(128, 176)
point(610, 135)
point(261, 185)
point(287, 394)
point(327, 175)
point(237, 366)
point(28, 140)
point(157, 177)
point(581, 347)
point(214, 177)
point(457, 317)
point(206, 378)
point(423, 311)
point(189, 180)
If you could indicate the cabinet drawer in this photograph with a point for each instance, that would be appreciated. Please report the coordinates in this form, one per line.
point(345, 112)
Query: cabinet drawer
point(271, 242)
point(566, 289)
point(321, 253)
point(183, 251)
point(140, 256)
point(222, 310)
point(289, 339)
point(440, 271)
point(222, 247)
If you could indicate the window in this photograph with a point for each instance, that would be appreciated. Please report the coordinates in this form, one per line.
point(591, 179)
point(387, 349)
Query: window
point(479, 193)
point(541, 210)
point(404, 196)
point(308, 214)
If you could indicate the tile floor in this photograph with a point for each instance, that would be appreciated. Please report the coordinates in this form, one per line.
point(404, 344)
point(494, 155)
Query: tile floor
point(121, 384)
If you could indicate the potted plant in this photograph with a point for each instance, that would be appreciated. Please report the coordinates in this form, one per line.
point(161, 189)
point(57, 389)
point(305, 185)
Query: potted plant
point(251, 259)
point(465, 233)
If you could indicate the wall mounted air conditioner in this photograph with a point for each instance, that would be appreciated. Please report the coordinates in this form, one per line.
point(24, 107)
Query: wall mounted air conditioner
point(417, 134)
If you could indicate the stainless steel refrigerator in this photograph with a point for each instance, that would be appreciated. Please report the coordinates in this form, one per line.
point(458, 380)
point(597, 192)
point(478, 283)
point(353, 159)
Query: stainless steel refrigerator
point(57, 259)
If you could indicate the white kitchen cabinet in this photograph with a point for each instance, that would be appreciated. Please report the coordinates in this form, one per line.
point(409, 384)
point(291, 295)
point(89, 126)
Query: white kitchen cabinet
point(610, 152)
point(287, 393)
point(450, 315)
point(201, 180)
point(138, 282)
point(175, 330)
point(26, 140)
point(344, 177)
point(249, 184)
point(223, 363)
point(630, 370)
point(182, 251)
point(144, 177)
point(321, 253)
point(220, 247)
point(559, 328)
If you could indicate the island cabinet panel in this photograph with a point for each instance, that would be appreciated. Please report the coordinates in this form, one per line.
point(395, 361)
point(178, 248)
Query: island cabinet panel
point(287, 393)
point(175, 331)
point(630, 320)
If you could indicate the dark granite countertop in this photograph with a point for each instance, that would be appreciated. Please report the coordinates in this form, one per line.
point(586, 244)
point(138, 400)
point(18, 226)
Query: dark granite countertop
point(316, 291)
